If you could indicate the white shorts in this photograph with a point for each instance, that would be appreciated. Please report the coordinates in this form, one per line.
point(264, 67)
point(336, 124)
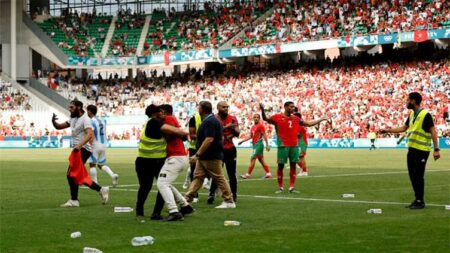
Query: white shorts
point(98, 154)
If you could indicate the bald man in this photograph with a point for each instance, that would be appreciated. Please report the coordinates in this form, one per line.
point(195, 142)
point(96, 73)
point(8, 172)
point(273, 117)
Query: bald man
point(230, 130)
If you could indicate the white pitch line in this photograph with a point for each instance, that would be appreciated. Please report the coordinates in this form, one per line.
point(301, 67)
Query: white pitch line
point(318, 176)
point(307, 199)
point(350, 175)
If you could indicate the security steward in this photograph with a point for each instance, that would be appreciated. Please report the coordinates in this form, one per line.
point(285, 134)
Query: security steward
point(421, 131)
point(151, 157)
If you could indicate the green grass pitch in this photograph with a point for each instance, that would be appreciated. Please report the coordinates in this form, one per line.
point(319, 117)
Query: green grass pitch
point(318, 219)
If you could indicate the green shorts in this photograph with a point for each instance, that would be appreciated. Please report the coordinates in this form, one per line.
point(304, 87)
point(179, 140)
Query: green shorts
point(258, 150)
point(285, 153)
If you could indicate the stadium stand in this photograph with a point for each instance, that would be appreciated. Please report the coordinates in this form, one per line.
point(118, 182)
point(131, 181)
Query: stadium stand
point(295, 20)
point(207, 28)
point(78, 34)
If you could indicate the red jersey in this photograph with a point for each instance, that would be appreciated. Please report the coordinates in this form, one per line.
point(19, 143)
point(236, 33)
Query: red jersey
point(175, 146)
point(288, 129)
point(304, 135)
point(257, 132)
point(227, 133)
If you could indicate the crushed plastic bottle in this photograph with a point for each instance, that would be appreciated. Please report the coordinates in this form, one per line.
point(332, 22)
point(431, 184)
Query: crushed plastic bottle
point(447, 207)
point(142, 240)
point(120, 209)
point(375, 210)
point(91, 250)
point(75, 234)
point(231, 223)
point(348, 195)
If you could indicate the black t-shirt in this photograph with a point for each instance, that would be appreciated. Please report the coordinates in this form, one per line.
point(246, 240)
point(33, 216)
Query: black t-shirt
point(192, 122)
point(427, 122)
point(153, 129)
point(211, 127)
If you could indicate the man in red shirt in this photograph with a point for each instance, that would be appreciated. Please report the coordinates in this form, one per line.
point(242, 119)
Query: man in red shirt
point(288, 128)
point(175, 162)
point(257, 134)
point(230, 130)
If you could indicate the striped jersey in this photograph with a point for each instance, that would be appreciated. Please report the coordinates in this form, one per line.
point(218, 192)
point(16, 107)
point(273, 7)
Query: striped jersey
point(99, 131)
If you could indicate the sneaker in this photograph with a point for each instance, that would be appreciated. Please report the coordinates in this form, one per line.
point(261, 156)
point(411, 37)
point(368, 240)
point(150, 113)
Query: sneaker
point(302, 174)
point(140, 219)
point(207, 184)
point(210, 200)
point(71, 203)
point(186, 210)
point(195, 200)
point(156, 216)
point(280, 190)
point(104, 194)
point(226, 205)
point(268, 176)
point(115, 180)
point(246, 176)
point(176, 216)
point(293, 190)
point(417, 205)
point(186, 184)
point(410, 205)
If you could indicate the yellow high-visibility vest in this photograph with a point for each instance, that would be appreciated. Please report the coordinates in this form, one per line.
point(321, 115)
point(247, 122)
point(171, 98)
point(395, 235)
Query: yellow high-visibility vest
point(198, 121)
point(151, 148)
point(418, 138)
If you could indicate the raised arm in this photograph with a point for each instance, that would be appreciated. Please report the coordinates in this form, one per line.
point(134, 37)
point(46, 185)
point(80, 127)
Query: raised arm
point(59, 126)
point(263, 115)
point(311, 123)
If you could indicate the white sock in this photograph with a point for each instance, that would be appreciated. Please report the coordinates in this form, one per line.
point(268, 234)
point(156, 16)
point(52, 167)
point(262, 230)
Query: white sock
point(93, 174)
point(108, 171)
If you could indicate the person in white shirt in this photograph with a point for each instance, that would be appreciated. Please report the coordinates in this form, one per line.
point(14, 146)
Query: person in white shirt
point(81, 128)
point(99, 144)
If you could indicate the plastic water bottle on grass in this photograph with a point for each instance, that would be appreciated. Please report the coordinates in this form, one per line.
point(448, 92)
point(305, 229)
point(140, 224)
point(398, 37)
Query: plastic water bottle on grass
point(91, 250)
point(375, 210)
point(119, 209)
point(142, 240)
point(75, 234)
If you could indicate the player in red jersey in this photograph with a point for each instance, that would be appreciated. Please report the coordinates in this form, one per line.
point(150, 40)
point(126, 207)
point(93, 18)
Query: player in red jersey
point(288, 128)
point(257, 135)
point(175, 162)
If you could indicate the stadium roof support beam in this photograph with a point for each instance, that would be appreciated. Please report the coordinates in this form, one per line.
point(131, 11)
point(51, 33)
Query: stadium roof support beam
point(13, 41)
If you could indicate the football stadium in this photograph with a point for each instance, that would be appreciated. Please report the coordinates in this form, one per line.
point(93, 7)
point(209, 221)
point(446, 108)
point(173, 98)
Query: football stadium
point(224, 126)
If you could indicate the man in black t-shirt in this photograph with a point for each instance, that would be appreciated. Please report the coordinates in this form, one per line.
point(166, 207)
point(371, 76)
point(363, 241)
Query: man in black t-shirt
point(208, 158)
point(421, 131)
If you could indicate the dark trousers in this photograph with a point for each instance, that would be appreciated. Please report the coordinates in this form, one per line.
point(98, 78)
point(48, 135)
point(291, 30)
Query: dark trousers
point(148, 169)
point(85, 154)
point(191, 154)
point(229, 159)
point(417, 160)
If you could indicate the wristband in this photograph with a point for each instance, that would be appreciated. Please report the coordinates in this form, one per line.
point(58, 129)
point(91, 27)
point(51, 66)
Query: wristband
point(437, 149)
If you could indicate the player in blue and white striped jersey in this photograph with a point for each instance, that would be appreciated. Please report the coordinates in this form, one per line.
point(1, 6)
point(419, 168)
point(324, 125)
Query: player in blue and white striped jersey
point(99, 144)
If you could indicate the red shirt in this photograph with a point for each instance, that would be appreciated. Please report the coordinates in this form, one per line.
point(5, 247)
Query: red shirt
point(227, 133)
point(175, 146)
point(288, 129)
point(304, 134)
point(257, 132)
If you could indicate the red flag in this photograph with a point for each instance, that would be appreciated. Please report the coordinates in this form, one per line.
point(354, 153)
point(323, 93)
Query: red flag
point(77, 171)
point(420, 36)
point(167, 57)
point(277, 49)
